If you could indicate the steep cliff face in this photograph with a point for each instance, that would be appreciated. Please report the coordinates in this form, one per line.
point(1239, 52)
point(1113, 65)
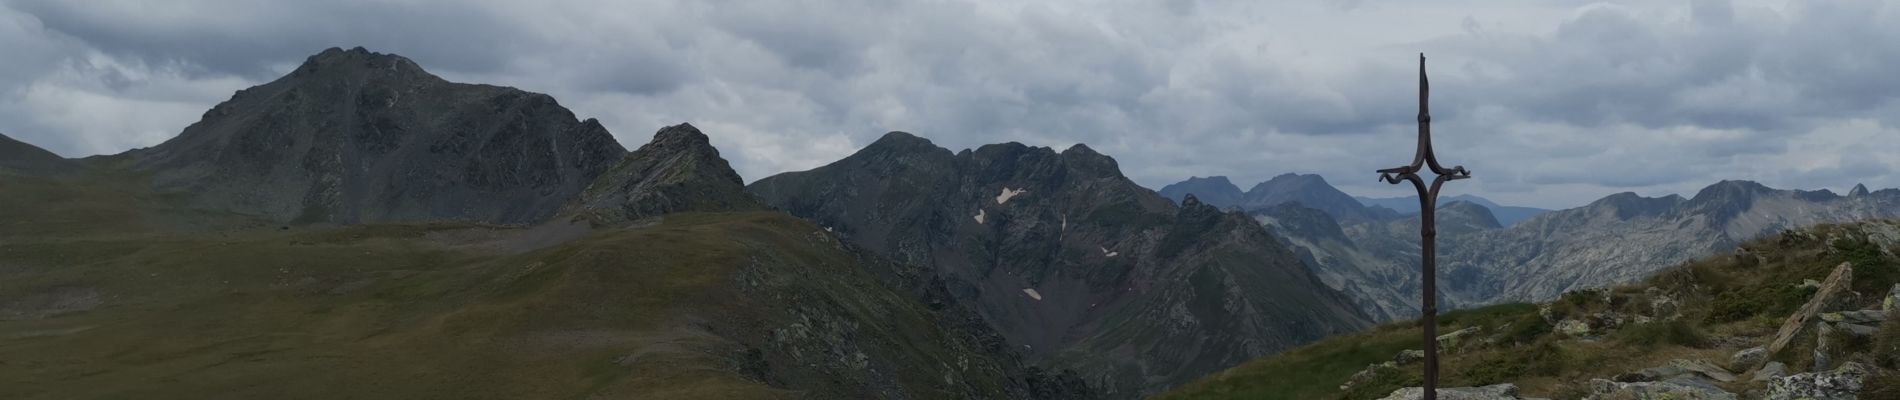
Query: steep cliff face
point(1073, 263)
point(353, 136)
point(678, 171)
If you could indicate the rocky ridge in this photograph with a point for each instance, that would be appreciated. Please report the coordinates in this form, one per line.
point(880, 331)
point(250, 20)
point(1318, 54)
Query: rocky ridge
point(1074, 264)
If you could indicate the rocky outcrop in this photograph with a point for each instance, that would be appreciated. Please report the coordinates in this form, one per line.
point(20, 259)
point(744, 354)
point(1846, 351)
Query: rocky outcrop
point(678, 171)
point(1216, 191)
point(1838, 282)
point(1842, 383)
point(353, 136)
point(1601, 389)
point(1502, 391)
point(18, 157)
point(1077, 266)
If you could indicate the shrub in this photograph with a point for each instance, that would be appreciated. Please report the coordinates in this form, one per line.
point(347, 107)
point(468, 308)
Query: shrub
point(1653, 334)
point(1881, 385)
point(1543, 359)
point(1527, 328)
point(1383, 382)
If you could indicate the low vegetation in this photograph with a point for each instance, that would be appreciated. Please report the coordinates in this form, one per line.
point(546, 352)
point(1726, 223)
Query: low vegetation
point(1701, 310)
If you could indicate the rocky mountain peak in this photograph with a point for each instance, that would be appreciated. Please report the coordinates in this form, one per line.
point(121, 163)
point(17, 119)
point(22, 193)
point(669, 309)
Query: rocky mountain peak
point(1467, 216)
point(678, 171)
point(1189, 200)
point(1081, 157)
point(1858, 190)
point(354, 136)
point(1725, 199)
point(1310, 190)
point(335, 61)
point(1627, 205)
point(1215, 190)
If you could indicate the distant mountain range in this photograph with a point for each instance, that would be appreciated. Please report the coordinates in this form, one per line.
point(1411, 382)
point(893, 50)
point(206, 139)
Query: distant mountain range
point(1308, 190)
point(1485, 260)
point(1408, 205)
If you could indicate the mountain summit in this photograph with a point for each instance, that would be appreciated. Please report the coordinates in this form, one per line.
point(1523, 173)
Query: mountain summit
point(353, 136)
point(678, 171)
point(1214, 190)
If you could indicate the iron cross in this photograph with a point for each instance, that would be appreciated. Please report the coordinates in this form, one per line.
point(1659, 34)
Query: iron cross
point(1428, 231)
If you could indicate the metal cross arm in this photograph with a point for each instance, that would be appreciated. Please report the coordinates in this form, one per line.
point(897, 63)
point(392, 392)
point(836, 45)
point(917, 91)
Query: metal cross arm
point(1422, 160)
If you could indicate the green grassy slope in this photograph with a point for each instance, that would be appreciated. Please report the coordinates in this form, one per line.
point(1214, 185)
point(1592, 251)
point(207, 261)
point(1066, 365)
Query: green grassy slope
point(753, 305)
point(1725, 303)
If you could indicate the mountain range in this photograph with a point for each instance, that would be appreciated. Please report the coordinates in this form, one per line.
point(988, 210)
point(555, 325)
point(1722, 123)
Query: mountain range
point(1064, 256)
point(1408, 205)
point(1617, 239)
point(363, 228)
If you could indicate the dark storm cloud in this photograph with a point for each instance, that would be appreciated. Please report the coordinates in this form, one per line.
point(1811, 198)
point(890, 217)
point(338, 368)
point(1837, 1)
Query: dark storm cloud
point(1653, 97)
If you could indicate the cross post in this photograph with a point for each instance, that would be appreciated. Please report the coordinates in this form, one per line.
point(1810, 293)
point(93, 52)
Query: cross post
point(1428, 230)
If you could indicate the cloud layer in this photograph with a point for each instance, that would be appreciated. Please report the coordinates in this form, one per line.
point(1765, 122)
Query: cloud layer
point(1551, 103)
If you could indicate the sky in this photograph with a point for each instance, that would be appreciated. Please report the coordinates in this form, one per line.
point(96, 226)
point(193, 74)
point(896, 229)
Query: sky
point(1550, 103)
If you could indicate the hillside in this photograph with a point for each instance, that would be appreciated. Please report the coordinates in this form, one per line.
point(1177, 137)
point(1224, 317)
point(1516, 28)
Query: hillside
point(1070, 261)
point(657, 277)
point(1698, 330)
point(17, 157)
point(353, 136)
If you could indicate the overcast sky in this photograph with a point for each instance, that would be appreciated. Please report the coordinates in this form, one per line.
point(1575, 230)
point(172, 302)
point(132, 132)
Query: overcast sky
point(1551, 103)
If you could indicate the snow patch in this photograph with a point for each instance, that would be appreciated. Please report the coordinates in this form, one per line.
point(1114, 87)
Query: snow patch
point(1107, 253)
point(1008, 194)
point(979, 215)
point(1032, 294)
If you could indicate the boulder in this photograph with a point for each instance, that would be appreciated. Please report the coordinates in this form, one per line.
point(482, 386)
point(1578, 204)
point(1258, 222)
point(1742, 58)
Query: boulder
point(1747, 359)
point(1893, 297)
point(1408, 356)
point(1842, 383)
point(1452, 339)
point(1502, 391)
point(1836, 284)
point(1862, 317)
point(1601, 389)
point(1652, 374)
point(1771, 371)
point(1704, 368)
point(1573, 328)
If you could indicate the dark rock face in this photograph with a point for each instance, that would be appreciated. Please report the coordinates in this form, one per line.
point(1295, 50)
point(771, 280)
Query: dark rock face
point(353, 136)
point(20, 158)
point(1216, 191)
point(1075, 265)
point(1858, 190)
point(678, 171)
